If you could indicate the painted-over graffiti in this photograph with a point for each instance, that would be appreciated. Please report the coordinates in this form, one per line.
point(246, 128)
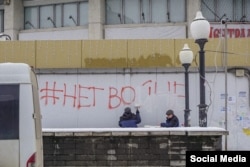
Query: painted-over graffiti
point(81, 96)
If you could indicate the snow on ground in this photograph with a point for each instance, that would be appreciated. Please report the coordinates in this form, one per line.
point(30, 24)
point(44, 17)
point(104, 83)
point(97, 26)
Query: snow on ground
point(141, 129)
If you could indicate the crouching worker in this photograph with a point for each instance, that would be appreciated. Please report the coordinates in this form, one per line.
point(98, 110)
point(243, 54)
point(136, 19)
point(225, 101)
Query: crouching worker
point(129, 119)
point(171, 120)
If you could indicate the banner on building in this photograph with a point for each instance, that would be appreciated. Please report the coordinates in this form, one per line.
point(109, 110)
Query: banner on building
point(149, 32)
point(233, 30)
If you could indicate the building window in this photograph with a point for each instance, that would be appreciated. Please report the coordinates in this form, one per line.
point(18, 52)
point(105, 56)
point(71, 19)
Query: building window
point(234, 10)
point(145, 11)
point(46, 16)
point(83, 12)
point(1, 20)
point(70, 15)
point(160, 11)
point(56, 15)
point(131, 12)
point(31, 18)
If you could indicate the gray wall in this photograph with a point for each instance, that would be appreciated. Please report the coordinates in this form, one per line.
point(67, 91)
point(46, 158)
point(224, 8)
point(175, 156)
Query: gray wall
point(126, 148)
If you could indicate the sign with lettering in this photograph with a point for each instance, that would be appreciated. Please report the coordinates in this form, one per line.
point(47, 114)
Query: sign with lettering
point(233, 30)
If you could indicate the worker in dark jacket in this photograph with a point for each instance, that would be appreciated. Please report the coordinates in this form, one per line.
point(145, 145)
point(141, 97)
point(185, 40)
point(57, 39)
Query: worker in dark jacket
point(129, 119)
point(172, 120)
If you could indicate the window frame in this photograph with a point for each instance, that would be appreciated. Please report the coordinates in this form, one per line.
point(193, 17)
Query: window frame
point(54, 5)
point(53, 16)
point(77, 14)
point(141, 20)
point(217, 18)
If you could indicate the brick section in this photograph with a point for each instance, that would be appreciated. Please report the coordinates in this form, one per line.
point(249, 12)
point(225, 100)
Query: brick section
point(166, 150)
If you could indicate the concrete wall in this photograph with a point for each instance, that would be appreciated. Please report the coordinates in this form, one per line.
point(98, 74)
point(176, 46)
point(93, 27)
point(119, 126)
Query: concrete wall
point(125, 147)
point(96, 19)
point(13, 18)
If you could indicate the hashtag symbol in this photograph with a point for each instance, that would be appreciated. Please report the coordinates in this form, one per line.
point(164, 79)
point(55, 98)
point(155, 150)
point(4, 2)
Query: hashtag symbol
point(50, 93)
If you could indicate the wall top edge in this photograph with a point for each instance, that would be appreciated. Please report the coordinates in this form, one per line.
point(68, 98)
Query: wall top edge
point(146, 131)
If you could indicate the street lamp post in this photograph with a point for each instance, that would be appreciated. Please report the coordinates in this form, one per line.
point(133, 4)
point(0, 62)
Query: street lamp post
point(186, 58)
point(200, 29)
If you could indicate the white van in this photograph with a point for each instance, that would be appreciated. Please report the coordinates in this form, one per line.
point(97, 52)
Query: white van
point(20, 119)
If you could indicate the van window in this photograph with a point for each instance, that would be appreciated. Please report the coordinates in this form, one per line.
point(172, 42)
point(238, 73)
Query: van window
point(9, 112)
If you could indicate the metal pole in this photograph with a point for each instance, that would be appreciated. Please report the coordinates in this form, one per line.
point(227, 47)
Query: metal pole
point(226, 94)
point(187, 110)
point(202, 105)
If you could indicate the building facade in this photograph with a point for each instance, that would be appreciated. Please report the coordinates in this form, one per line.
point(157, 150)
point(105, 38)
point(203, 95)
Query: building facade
point(113, 19)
